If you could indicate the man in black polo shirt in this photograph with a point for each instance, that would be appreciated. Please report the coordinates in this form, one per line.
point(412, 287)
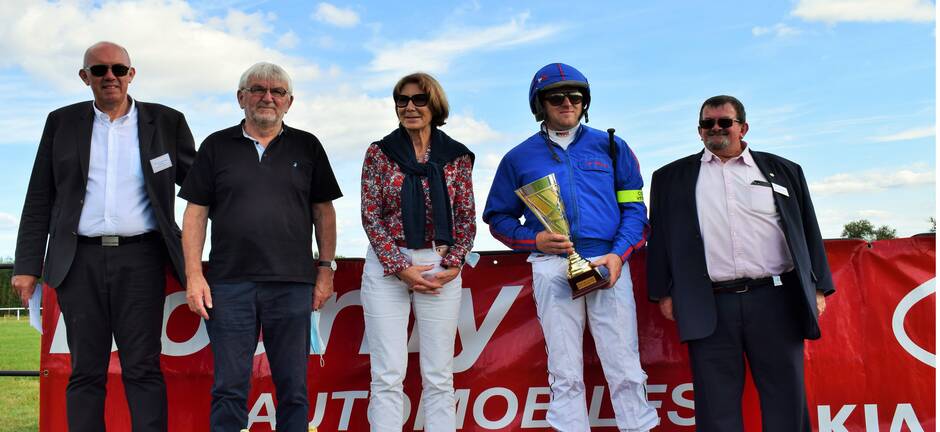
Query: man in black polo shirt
point(268, 189)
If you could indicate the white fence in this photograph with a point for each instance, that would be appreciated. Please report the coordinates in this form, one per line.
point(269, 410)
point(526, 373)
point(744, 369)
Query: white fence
point(18, 311)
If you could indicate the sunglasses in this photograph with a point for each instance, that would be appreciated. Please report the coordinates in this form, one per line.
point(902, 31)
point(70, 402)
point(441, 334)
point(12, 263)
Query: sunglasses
point(723, 123)
point(101, 70)
point(556, 99)
point(260, 91)
point(420, 100)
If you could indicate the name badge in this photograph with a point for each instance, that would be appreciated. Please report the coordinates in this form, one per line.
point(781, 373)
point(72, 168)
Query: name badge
point(161, 163)
point(780, 189)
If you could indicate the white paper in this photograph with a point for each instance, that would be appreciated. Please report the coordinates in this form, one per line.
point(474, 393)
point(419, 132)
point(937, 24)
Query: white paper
point(35, 302)
point(161, 163)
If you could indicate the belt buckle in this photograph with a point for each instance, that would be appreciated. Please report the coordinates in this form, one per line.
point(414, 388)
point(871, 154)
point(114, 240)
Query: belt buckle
point(743, 290)
point(110, 241)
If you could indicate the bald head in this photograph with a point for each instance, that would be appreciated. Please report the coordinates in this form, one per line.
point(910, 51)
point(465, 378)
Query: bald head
point(93, 50)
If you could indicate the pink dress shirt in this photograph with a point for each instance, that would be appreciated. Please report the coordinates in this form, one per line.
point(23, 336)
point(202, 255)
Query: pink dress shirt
point(739, 220)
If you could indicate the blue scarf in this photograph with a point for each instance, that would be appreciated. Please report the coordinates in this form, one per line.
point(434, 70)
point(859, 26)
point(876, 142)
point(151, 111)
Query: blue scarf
point(397, 146)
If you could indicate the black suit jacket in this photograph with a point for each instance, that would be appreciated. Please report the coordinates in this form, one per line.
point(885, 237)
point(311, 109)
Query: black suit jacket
point(676, 254)
point(56, 190)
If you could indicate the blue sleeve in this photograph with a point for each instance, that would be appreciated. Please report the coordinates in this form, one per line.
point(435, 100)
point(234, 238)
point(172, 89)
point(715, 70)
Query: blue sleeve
point(634, 225)
point(503, 210)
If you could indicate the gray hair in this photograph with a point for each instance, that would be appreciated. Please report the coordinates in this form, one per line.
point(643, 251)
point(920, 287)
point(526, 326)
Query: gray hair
point(265, 71)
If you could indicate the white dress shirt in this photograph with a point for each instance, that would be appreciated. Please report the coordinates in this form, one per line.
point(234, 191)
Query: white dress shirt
point(739, 220)
point(116, 201)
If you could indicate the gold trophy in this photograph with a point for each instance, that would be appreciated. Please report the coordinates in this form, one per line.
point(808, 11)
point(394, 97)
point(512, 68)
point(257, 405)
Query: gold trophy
point(543, 197)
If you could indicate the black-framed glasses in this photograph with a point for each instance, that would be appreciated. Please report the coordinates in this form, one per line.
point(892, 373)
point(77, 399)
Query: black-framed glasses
point(556, 99)
point(420, 100)
point(100, 70)
point(259, 91)
point(723, 123)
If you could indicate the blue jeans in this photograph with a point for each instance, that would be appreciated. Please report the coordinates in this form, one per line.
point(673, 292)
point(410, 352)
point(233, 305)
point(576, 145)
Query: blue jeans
point(240, 311)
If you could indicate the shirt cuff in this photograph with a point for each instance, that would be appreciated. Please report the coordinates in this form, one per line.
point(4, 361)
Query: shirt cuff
point(393, 268)
point(455, 257)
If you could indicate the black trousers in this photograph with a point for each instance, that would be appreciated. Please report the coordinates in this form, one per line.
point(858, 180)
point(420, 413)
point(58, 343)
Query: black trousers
point(762, 325)
point(115, 291)
point(280, 312)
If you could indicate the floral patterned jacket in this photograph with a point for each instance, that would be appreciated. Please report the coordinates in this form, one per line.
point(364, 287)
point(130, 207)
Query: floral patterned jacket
point(381, 209)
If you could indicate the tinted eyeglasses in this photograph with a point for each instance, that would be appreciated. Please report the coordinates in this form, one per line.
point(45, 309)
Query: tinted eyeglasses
point(260, 91)
point(556, 99)
point(101, 70)
point(723, 123)
point(420, 100)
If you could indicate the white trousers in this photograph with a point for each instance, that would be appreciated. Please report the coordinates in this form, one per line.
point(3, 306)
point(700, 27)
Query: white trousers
point(386, 304)
point(611, 313)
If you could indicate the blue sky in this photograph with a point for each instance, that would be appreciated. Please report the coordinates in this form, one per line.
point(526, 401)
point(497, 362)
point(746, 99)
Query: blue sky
point(847, 88)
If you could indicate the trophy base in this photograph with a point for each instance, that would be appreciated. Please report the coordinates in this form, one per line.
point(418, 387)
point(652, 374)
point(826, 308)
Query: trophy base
point(586, 283)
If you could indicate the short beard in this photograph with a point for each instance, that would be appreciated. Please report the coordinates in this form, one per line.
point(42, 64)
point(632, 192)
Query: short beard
point(264, 120)
point(717, 146)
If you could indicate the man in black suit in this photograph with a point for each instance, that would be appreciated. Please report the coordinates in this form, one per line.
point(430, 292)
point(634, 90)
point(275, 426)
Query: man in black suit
point(736, 258)
point(102, 194)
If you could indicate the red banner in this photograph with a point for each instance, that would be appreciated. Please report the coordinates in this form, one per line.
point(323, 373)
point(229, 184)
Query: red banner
point(873, 370)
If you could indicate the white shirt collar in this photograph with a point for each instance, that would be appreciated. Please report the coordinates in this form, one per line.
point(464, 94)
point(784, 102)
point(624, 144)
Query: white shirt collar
point(103, 116)
point(745, 156)
point(245, 133)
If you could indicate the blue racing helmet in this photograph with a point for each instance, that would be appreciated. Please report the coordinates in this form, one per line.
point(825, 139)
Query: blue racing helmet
point(552, 76)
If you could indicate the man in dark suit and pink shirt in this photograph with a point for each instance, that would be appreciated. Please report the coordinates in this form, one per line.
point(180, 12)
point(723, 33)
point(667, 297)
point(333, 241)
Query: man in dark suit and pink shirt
point(736, 259)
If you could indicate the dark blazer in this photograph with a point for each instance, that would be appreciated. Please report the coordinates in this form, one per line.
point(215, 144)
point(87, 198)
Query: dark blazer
point(676, 253)
point(56, 190)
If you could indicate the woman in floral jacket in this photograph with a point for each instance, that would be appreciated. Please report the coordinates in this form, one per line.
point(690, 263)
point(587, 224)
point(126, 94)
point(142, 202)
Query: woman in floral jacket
point(418, 212)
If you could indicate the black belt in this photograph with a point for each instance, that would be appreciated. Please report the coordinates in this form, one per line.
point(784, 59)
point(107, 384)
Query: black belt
point(743, 285)
point(113, 240)
point(441, 249)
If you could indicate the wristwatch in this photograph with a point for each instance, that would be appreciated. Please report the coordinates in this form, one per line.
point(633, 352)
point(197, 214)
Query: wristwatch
point(331, 264)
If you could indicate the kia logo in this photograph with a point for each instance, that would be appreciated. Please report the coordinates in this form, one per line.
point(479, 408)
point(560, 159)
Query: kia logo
point(897, 322)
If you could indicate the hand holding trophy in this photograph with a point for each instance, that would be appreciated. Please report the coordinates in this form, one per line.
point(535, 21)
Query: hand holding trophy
point(543, 198)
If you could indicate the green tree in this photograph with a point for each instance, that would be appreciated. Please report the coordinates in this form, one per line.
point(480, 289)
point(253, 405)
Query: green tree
point(8, 298)
point(863, 229)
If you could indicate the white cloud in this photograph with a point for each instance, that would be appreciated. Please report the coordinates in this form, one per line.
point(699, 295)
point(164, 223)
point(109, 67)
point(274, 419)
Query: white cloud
point(489, 161)
point(435, 54)
point(242, 24)
point(333, 15)
point(832, 11)
point(873, 181)
point(875, 214)
point(905, 135)
point(779, 30)
point(169, 46)
point(288, 40)
point(8, 221)
point(470, 131)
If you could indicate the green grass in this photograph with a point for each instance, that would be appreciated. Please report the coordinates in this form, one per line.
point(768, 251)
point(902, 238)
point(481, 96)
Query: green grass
point(19, 397)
